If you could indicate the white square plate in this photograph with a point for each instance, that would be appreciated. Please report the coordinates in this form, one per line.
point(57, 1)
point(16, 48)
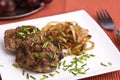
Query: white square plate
point(104, 49)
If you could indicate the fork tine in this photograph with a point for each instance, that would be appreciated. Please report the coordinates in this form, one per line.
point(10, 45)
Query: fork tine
point(105, 16)
point(100, 16)
point(108, 16)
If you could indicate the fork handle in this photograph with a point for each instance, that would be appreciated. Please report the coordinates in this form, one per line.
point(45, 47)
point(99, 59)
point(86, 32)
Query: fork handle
point(117, 34)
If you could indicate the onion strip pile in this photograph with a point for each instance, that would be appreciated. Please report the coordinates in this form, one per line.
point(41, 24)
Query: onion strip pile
point(71, 36)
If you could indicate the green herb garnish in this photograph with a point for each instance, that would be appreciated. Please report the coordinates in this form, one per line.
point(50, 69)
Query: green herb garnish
point(57, 72)
point(35, 31)
point(21, 34)
point(44, 77)
point(59, 47)
point(23, 72)
point(59, 64)
point(50, 38)
point(27, 76)
point(41, 37)
point(25, 29)
point(103, 64)
point(37, 56)
point(53, 64)
point(15, 65)
point(45, 45)
point(54, 56)
point(32, 77)
point(52, 75)
point(33, 42)
point(73, 66)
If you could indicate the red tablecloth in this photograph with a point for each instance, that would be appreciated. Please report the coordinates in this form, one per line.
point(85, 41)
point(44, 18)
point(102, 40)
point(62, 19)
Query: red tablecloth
point(91, 6)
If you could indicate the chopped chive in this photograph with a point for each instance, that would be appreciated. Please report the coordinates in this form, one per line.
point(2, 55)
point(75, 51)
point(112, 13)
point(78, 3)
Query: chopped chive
point(49, 56)
point(59, 47)
point(32, 77)
point(52, 75)
point(23, 72)
point(54, 56)
point(25, 29)
point(45, 45)
point(59, 64)
point(33, 42)
point(57, 72)
point(64, 62)
point(28, 32)
point(15, 65)
point(87, 69)
point(37, 56)
point(35, 30)
point(50, 38)
point(84, 65)
point(21, 34)
point(74, 73)
point(74, 68)
point(65, 68)
point(27, 76)
point(103, 64)
point(44, 77)
point(53, 64)
point(92, 55)
point(81, 73)
point(41, 37)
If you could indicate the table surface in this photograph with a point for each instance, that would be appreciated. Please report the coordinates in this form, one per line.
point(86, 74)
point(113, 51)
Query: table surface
point(63, 6)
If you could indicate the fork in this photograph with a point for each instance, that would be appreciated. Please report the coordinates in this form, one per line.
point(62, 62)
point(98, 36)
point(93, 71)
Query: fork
point(107, 22)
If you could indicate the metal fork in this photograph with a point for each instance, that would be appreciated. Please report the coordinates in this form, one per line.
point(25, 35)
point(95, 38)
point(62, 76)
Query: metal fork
point(106, 22)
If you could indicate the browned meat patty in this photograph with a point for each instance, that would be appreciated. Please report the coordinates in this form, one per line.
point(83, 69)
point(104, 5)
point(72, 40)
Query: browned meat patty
point(38, 54)
point(14, 37)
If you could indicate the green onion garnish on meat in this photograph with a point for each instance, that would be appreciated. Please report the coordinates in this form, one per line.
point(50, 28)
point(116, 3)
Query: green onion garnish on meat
point(37, 56)
point(45, 45)
point(50, 38)
point(54, 56)
point(21, 34)
point(35, 31)
point(33, 42)
point(41, 37)
point(59, 46)
point(53, 65)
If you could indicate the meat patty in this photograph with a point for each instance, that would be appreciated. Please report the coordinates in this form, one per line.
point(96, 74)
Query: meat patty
point(14, 37)
point(38, 54)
